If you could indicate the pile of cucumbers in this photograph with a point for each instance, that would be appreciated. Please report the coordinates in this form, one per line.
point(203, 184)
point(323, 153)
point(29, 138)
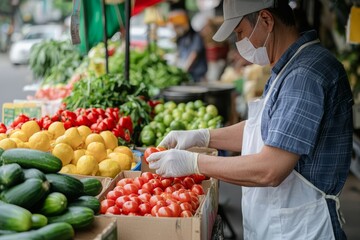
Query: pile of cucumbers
point(37, 202)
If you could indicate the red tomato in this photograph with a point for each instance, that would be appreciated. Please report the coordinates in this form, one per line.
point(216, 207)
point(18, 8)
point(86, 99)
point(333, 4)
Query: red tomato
point(156, 182)
point(157, 191)
point(175, 209)
point(198, 178)
point(136, 199)
point(147, 176)
point(154, 199)
point(113, 210)
point(178, 186)
point(141, 191)
point(124, 181)
point(184, 197)
point(169, 189)
point(148, 151)
point(144, 208)
point(119, 191)
point(145, 197)
point(166, 182)
point(154, 210)
point(121, 200)
point(188, 182)
point(148, 187)
point(130, 188)
point(198, 189)
point(113, 195)
point(177, 180)
point(186, 213)
point(164, 212)
point(105, 204)
point(162, 203)
point(139, 181)
point(186, 206)
point(130, 207)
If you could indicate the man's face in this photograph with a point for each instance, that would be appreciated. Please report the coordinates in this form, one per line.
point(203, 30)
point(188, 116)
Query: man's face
point(244, 29)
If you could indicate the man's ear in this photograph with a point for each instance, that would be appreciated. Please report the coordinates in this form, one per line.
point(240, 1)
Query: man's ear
point(267, 20)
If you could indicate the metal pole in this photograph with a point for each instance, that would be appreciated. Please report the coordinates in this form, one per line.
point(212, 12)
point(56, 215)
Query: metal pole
point(127, 39)
point(105, 35)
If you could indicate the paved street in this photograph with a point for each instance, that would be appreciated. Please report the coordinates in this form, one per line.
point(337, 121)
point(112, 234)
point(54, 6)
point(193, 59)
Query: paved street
point(12, 81)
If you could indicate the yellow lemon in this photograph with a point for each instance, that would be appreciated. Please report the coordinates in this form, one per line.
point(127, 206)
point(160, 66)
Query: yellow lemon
point(23, 145)
point(70, 168)
point(7, 143)
point(20, 135)
point(72, 136)
point(94, 137)
point(126, 150)
point(17, 141)
point(121, 158)
point(30, 127)
point(98, 150)
point(64, 152)
point(3, 136)
point(40, 141)
point(87, 165)
point(108, 151)
point(109, 168)
point(57, 129)
point(50, 135)
point(84, 132)
point(77, 154)
point(110, 139)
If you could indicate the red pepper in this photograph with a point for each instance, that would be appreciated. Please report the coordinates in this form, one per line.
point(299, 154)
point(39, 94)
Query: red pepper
point(83, 120)
point(68, 118)
point(110, 122)
point(46, 122)
point(22, 118)
point(3, 128)
point(119, 132)
point(93, 117)
point(126, 122)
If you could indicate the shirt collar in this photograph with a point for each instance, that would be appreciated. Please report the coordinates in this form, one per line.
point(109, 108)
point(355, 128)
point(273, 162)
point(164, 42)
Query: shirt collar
point(304, 38)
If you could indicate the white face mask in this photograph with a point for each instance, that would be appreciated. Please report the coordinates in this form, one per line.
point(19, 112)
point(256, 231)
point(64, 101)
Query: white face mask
point(250, 53)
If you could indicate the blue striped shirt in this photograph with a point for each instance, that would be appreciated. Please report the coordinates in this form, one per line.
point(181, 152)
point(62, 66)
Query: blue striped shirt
point(309, 113)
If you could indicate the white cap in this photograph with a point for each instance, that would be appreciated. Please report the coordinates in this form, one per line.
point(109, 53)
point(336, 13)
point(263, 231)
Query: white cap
point(234, 11)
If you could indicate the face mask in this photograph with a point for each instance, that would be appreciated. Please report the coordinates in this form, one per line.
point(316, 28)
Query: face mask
point(250, 53)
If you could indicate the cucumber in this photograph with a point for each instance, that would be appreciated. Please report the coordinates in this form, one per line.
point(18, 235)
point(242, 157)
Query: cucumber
point(77, 217)
point(14, 218)
point(71, 187)
point(38, 220)
point(10, 175)
point(30, 235)
point(34, 173)
point(30, 158)
point(92, 186)
point(54, 231)
point(6, 232)
point(25, 194)
point(87, 201)
point(54, 204)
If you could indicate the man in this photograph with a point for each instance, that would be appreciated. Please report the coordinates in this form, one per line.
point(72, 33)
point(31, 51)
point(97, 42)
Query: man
point(191, 53)
point(296, 143)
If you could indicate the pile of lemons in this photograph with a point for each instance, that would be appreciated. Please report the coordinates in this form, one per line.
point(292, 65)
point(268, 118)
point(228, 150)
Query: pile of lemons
point(80, 150)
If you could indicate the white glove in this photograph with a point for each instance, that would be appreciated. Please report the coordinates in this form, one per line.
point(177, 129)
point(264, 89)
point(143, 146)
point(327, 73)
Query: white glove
point(174, 163)
point(186, 139)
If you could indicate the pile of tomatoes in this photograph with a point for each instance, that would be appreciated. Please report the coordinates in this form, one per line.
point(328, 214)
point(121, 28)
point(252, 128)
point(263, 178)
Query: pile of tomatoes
point(152, 195)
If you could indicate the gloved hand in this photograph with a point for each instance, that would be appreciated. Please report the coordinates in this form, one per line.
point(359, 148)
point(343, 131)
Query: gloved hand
point(174, 163)
point(186, 139)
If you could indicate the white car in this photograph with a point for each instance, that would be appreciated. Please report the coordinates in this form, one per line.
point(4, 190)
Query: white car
point(20, 50)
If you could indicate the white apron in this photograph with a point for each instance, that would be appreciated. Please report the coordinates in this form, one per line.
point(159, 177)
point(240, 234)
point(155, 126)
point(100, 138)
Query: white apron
point(294, 210)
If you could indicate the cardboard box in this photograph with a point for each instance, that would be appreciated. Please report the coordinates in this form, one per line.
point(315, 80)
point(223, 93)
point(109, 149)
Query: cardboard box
point(11, 110)
point(100, 229)
point(198, 227)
